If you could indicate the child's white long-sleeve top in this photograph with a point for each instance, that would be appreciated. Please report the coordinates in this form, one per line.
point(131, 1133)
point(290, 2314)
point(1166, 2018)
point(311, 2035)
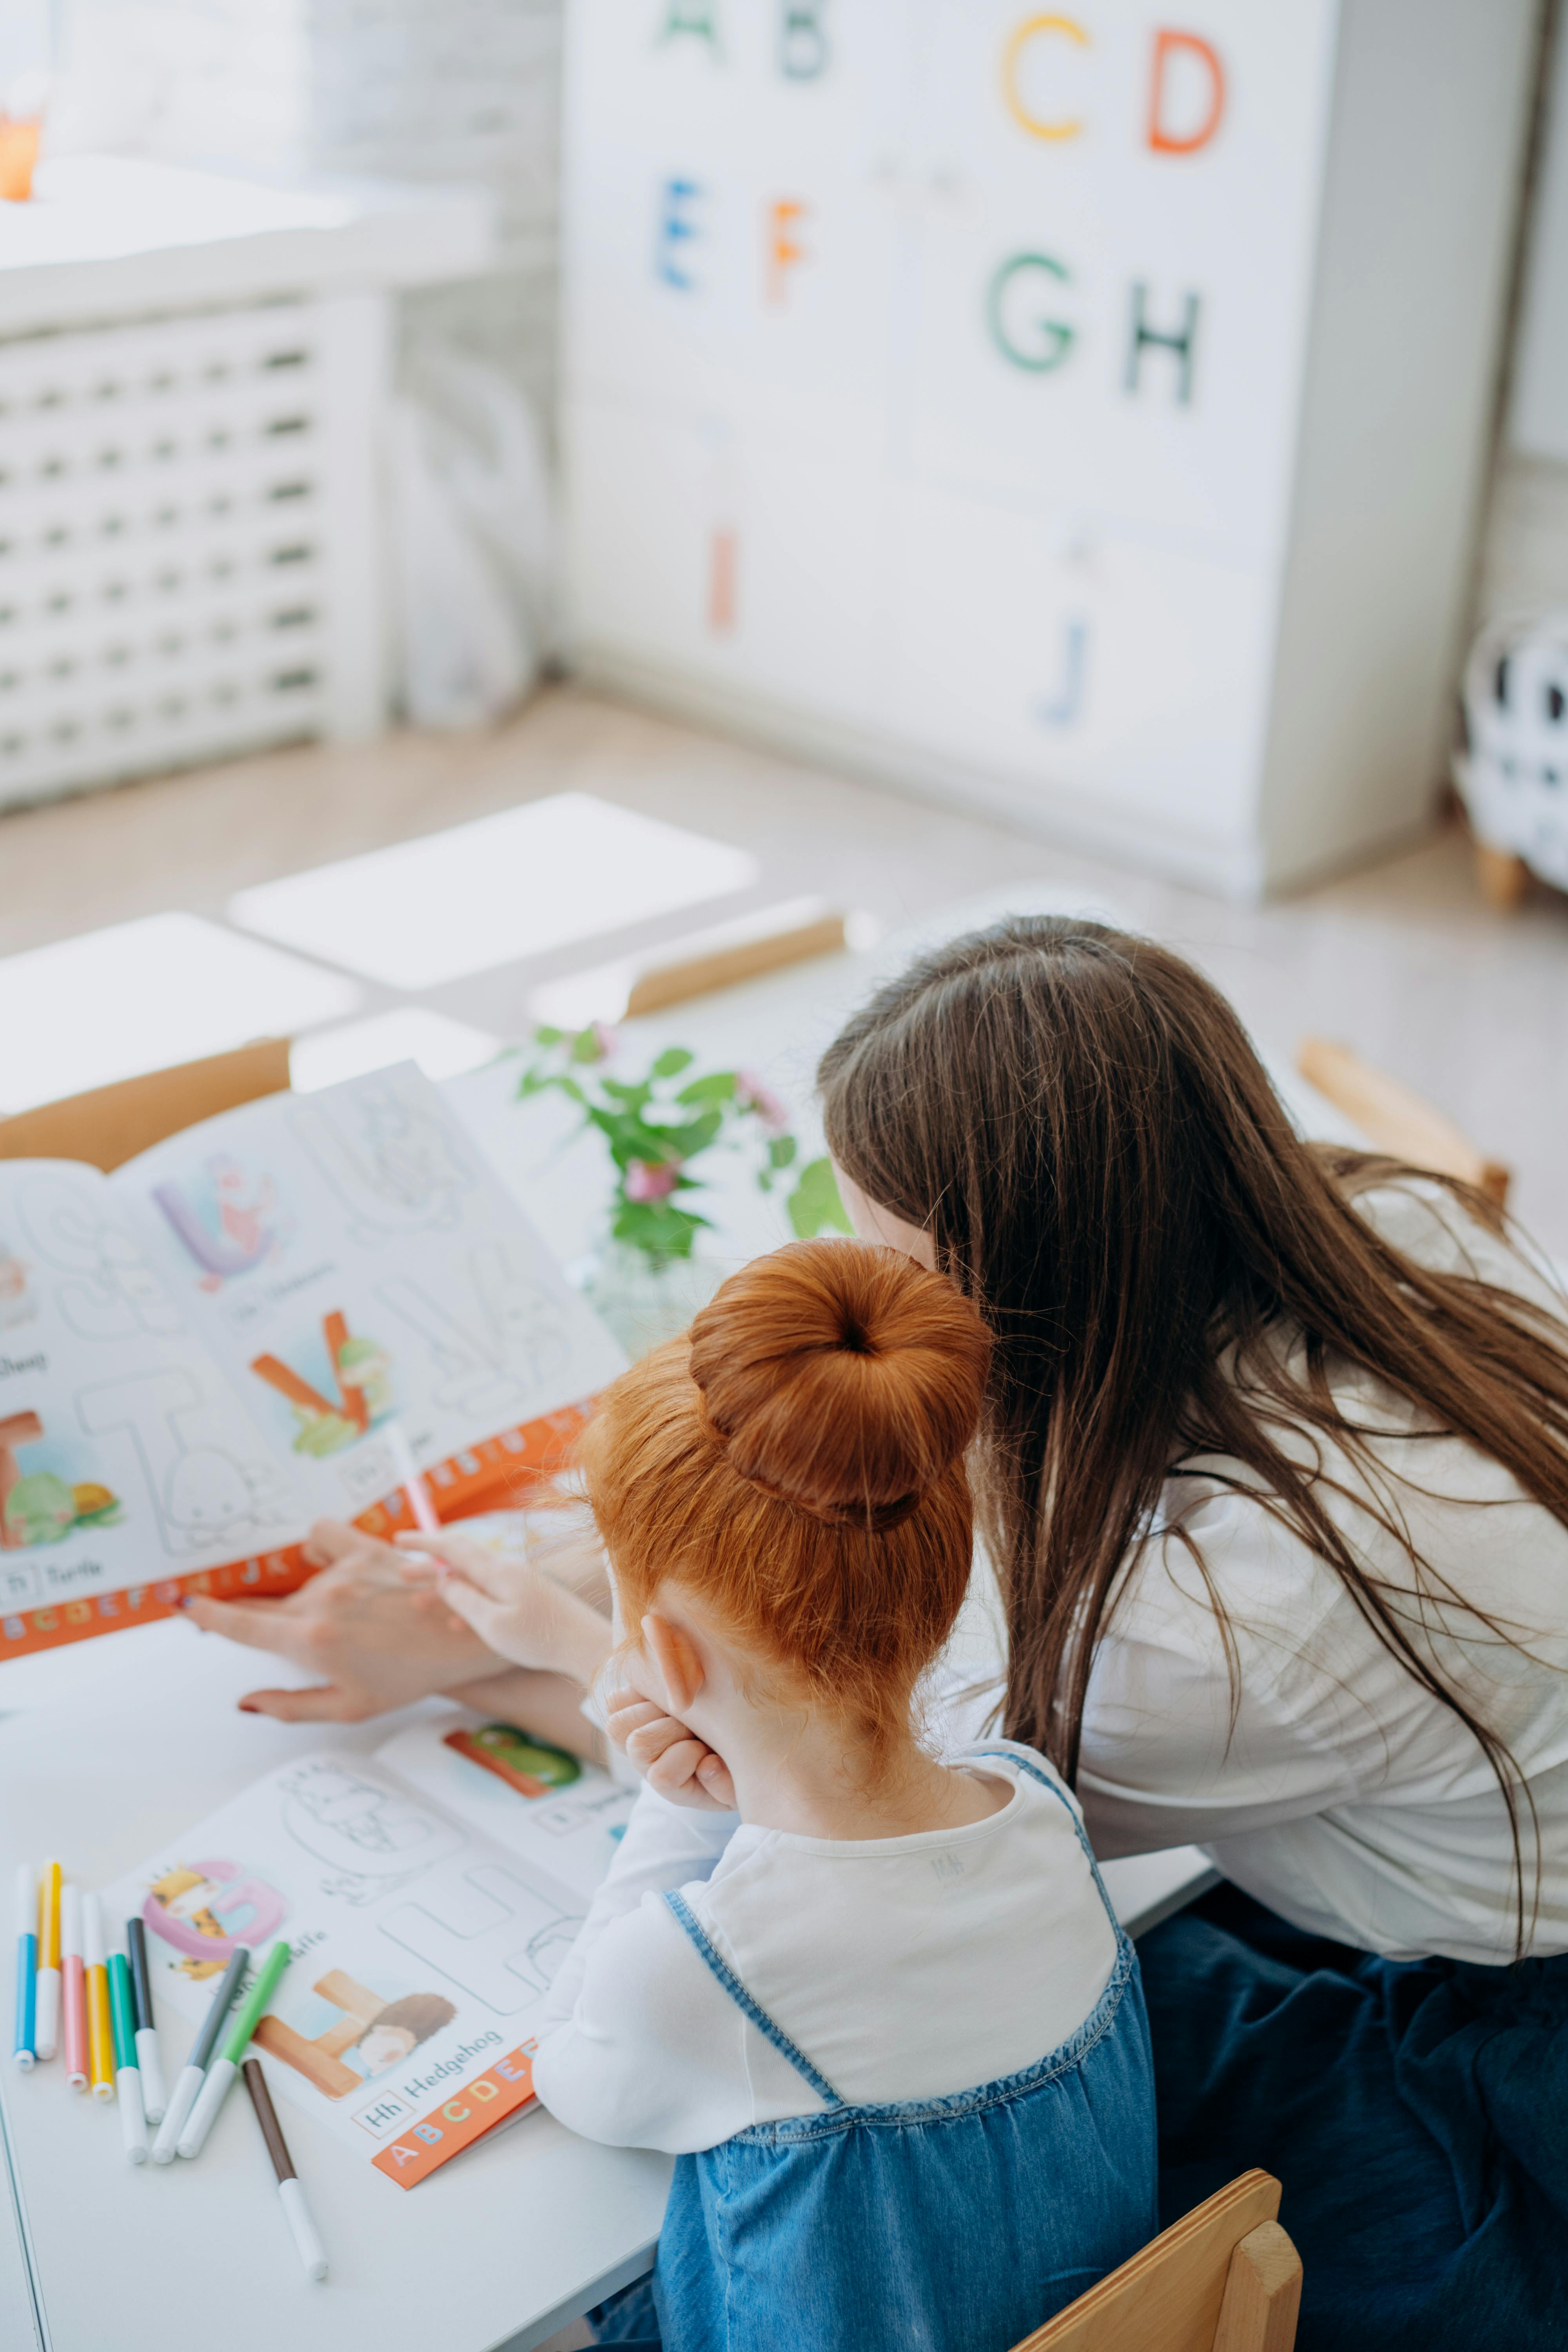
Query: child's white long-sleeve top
point(904, 1967)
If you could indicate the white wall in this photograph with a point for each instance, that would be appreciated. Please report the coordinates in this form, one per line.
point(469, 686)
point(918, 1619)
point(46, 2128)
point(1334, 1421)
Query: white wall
point(437, 89)
point(445, 88)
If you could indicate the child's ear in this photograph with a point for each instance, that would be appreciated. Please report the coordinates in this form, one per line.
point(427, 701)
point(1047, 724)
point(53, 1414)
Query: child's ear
point(674, 1653)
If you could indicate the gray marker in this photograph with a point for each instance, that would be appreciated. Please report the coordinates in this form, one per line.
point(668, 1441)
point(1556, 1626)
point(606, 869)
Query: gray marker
point(189, 2082)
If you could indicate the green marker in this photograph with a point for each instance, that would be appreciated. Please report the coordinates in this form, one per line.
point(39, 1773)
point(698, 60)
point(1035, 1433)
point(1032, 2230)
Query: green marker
point(127, 2075)
point(226, 2065)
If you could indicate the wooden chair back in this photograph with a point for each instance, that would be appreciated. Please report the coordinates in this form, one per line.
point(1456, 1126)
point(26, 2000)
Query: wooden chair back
point(1395, 1120)
point(112, 1124)
point(1225, 2278)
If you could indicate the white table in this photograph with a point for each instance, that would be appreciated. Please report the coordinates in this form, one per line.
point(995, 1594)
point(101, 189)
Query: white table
point(500, 2248)
point(108, 1751)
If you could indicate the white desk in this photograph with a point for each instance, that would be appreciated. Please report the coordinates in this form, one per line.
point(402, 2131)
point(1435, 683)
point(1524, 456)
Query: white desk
point(500, 2249)
point(514, 2237)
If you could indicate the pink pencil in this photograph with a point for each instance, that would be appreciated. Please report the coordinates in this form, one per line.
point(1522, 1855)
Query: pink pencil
point(410, 1480)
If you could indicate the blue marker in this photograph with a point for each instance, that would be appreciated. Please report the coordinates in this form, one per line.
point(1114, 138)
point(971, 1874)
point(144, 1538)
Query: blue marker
point(26, 1964)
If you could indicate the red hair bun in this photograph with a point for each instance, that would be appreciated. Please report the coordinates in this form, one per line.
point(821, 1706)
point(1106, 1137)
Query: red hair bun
point(841, 1379)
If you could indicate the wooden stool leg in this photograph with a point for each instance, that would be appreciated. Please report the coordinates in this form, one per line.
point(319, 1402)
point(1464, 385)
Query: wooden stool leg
point(1504, 878)
point(1262, 2293)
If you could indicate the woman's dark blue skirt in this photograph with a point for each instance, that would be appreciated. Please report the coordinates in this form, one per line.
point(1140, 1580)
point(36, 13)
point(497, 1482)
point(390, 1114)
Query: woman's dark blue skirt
point(1414, 2112)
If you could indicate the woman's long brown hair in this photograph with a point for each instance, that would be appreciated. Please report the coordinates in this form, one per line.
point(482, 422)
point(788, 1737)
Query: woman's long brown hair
point(1080, 1121)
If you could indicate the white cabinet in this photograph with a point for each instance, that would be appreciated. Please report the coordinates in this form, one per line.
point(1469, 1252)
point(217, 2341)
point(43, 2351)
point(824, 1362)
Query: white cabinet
point(1080, 412)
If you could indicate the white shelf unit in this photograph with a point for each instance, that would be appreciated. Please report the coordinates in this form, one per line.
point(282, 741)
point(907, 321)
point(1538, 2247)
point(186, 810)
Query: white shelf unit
point(192, 372)
point(1083, 413)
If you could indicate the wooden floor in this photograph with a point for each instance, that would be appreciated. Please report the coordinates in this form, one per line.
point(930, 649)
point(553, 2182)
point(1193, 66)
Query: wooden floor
point(1401, 958)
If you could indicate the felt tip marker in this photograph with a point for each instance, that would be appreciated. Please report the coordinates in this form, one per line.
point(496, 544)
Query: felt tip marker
point(46, 2021)
point(127, 2075)
point(148, 2057)
point(24, 2048)
point(226, 2065)
point(410, 1479)
point(99, 2026)
point(188, 2088)
point(312, 2252)
point(73, 1990)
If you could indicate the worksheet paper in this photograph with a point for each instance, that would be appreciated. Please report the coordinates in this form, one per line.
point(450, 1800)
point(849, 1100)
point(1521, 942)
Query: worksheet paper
point(202, 1353)
point(424, 1934)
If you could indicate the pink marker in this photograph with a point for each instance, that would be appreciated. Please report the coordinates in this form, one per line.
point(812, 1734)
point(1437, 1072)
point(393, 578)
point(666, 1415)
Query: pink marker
point(410, 1480)
point(73, 1989)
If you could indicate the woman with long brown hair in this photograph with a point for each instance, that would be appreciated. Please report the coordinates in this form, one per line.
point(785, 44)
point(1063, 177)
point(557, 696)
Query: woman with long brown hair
point(1273, 1472)
point(1275, 1477)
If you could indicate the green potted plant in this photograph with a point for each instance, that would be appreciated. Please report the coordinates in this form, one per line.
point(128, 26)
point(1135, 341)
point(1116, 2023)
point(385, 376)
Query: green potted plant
point(646, 1280)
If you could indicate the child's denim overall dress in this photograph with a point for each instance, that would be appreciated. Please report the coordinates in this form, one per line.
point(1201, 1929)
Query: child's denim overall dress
point(955, 2224)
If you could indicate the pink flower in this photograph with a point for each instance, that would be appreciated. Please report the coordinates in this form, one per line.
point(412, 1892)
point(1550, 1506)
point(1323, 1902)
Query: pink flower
point(604, 1038)
point(753, 1095)
point(652, 1179)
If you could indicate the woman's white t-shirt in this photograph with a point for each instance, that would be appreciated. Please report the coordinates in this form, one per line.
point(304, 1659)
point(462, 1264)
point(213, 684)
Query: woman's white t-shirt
point(1323, 1777)
point(904, 1967)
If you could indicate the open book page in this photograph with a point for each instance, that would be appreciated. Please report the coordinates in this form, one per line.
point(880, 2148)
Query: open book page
point(349, 1257)
point(422, 1952)
point(229, 1325)
point(127, 1462)
point(563, 1815)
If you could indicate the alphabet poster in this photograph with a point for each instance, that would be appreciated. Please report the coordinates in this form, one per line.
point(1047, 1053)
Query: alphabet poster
point(932, 369)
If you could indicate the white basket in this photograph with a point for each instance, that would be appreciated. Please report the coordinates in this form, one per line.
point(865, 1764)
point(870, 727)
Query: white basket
point(188, 540)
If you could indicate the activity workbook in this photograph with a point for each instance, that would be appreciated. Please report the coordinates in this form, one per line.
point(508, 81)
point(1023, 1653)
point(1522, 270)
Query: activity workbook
point(427, 1895)
point(202, 1353)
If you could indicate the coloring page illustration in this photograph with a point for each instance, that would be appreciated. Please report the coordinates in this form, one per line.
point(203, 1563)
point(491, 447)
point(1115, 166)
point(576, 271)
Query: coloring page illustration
point(420, 1950)
point(497, 1938)
point(124, 1457)
point(396, 1166)
point(370, 1835)
point(491, 1331)
point(204, 1494)
point(114, 1294)
point(335, 1386)
point(18, 1303)
point(225, 1216)
point(549, 1808)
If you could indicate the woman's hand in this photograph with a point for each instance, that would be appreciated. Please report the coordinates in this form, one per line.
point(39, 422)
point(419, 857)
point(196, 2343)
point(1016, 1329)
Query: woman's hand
point(379, 1643)
point(668, 1754)
point(523, 1613)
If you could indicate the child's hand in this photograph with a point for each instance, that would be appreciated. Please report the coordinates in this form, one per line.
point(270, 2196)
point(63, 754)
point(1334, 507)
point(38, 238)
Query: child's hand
point(668, 1754)
point(521, 1614)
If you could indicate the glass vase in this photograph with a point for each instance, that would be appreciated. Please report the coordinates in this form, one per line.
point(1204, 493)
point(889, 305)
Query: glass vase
point(644, 1300)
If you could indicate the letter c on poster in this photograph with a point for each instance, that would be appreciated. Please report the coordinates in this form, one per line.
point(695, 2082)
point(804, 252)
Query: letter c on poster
point(1186, 66)
point(1032, 30)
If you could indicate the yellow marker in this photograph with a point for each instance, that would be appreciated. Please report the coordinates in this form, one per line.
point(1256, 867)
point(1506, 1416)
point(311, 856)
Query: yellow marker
point(47, 2027)
point(100, 2023)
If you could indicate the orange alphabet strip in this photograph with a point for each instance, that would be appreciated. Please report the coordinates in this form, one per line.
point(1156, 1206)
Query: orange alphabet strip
point(498, 1474)
point(502, 2090)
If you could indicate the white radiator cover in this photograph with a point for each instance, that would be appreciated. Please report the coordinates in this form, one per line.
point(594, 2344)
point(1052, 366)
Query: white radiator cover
point(188, 539)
